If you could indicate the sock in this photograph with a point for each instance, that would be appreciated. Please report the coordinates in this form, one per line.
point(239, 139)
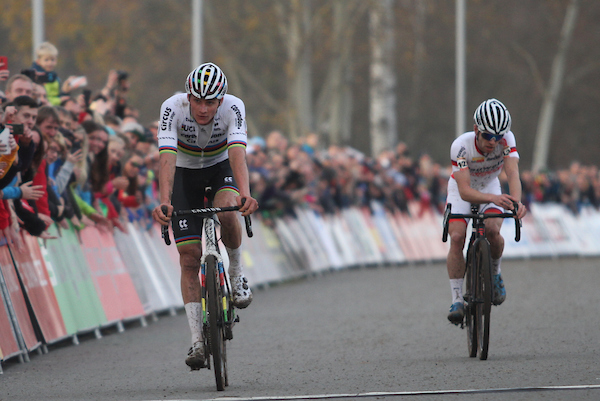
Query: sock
point(193, 310)
point(456, 285)
point(235, 261)
point(496, 266)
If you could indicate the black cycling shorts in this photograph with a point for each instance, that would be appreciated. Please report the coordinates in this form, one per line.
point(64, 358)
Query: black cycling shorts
point(189, 193)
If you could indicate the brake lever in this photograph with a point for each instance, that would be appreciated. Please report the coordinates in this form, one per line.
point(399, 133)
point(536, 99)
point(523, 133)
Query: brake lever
point(165, 229)
point(518, 223)
point(248, 222)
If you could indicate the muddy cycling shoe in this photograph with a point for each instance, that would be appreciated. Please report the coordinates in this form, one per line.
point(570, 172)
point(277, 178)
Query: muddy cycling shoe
point(457, 313)
point(195, 359)
point(499, 290)
point(241, 294)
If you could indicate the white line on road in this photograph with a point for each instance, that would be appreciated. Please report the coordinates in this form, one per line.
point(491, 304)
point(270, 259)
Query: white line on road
point(399, 393)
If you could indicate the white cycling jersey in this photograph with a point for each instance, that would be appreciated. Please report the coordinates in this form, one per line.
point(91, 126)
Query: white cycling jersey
point(201, 146)
point(484, 168)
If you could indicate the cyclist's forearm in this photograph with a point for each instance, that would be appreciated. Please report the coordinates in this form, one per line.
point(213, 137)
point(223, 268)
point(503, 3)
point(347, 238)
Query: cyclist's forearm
point(166, 176)
point(515, 189)
point(237, 160)
point(514, 181)
point(471, 195)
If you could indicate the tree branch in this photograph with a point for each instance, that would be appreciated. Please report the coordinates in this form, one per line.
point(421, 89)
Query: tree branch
point(535, 72)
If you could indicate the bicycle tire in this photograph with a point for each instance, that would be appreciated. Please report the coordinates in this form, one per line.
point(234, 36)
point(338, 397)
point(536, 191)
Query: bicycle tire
point(484, 307)
point(470, 304)
point(215, 321)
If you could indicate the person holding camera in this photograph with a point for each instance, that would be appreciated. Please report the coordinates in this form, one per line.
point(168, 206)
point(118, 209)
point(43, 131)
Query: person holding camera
point(21, 112)
point(115, 91)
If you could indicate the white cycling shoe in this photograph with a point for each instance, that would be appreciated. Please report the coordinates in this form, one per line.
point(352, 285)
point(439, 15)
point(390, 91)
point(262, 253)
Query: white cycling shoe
point(241, 294)
point(195, 358)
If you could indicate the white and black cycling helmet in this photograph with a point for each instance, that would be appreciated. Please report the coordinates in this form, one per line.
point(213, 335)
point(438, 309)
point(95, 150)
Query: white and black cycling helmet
point(492, 116)
point(207, 81)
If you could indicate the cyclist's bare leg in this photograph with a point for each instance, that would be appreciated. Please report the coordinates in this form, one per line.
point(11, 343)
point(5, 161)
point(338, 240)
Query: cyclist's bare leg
point(189, 260)
point(231, 233)
point(456, 269)
point(457, 231)
point(231, 230)
point(492, 232)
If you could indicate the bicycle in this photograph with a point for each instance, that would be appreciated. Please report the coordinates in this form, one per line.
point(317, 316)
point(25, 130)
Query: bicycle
point(479, 292)
point(218, 314)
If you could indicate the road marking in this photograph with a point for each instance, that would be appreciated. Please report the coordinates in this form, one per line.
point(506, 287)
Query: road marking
point(399, 393)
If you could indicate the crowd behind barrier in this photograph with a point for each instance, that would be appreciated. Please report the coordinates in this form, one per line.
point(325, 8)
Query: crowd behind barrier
point(79, 251)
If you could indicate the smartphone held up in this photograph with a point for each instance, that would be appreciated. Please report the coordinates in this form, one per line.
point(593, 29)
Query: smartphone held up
point(17, 129)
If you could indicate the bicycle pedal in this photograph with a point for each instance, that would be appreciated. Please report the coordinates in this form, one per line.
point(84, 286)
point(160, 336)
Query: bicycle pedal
point(237, 318)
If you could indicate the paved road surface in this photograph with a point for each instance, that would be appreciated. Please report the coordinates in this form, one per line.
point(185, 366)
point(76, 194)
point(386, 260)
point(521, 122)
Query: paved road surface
point(352, 332)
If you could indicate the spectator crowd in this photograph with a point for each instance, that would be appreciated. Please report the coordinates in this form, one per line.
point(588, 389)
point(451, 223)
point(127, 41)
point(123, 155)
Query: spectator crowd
point(75, 156)
point(70, 155)
point(284, 175)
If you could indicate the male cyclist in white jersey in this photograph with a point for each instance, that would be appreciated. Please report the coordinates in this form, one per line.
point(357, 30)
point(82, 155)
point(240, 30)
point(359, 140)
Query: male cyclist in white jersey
point(478, 157)
point(202, 142)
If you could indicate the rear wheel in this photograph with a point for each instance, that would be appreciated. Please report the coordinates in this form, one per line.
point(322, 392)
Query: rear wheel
point(470, 304)
point(484, 307)
point(215, 318)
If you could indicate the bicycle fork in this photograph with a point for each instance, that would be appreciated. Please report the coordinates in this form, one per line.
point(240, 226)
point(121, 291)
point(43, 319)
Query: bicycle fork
point(229, 316)
point(470, 275)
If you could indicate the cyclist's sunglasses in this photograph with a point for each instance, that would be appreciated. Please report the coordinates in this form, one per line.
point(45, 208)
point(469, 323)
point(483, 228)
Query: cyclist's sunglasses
point(488, 137)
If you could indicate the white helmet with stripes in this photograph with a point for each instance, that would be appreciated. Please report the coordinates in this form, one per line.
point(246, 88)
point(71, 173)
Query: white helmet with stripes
point(207, 81)
point(493, 117)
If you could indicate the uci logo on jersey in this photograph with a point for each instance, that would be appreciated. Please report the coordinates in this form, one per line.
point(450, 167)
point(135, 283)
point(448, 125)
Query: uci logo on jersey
point(188, 128)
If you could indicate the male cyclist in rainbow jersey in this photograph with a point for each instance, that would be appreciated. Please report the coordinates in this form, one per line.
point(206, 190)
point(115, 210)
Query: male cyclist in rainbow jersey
point(202, 143)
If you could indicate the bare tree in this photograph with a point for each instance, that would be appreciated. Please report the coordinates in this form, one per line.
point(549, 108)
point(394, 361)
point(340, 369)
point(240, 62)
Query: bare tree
point(295, 27)
point(383, 128)
point(419, 24)
point(551, 94)
point(334, 104)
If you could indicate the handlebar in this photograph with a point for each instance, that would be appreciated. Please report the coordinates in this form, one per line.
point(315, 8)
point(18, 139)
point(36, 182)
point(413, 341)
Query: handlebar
point(204, 212)
point(449, 215)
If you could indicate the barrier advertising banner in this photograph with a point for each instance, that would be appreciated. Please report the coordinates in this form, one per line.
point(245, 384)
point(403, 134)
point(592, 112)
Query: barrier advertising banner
point(73, 285)
point(23, 321)
point(147, 272)
point(263, 260)
point(113, 284)
point(8, 340)
point(36, 282)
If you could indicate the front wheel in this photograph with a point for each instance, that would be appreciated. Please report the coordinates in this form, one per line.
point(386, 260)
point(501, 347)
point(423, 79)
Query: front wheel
point(471, 303)
point(215, 321)
point(484, 308)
